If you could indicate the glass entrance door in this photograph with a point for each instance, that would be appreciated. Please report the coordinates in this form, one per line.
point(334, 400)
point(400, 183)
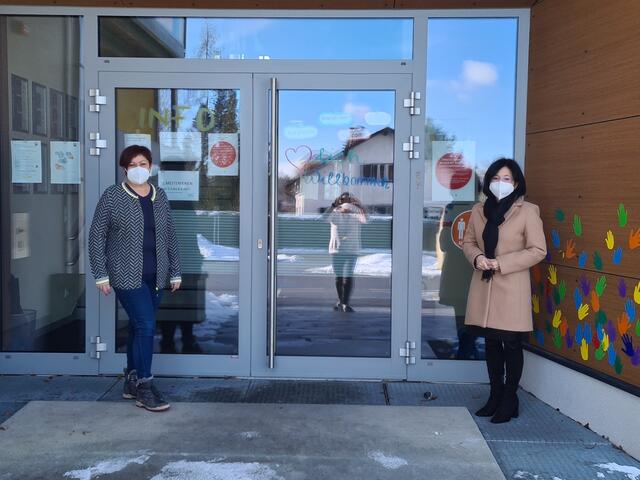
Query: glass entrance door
point(331, 202)
point(198, 130)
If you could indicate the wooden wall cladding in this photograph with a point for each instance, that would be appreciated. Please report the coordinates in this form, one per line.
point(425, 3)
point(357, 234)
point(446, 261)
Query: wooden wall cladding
point(587, 173)
point(284, 4)
point(584, 62)
point(589, 318)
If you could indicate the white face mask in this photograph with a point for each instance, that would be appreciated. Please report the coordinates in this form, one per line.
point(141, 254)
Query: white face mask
point(501, 189)
point(138, 175)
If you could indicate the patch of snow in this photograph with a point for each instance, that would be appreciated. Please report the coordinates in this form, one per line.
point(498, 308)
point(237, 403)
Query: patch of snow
point(249, 435)
point(379, 265)
point(387, 461)
point(600, 475)
point(185, 470)
point(632, 473)
point(106, 467)
point(521, 474)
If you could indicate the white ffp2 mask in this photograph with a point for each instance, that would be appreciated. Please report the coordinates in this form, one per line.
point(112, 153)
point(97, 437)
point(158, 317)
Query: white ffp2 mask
point(138, 175)
point(501, 189)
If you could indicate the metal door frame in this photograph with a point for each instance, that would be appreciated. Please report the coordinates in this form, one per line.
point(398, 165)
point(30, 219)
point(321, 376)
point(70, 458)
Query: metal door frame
point(183, 364)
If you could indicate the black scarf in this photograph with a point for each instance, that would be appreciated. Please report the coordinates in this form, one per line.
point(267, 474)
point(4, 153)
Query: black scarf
point(494, 211)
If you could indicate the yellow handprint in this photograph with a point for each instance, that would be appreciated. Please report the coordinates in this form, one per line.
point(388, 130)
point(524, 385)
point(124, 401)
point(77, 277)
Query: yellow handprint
point(583, 311)
point(535, 300)
point(557, 318)
point(553, 275)
point(584, 350)
point(609, 240)
point(605, 342)
point(636, 294)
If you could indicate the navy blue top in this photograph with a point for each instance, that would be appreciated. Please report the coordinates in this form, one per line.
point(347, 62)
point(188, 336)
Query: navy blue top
point(149, 237)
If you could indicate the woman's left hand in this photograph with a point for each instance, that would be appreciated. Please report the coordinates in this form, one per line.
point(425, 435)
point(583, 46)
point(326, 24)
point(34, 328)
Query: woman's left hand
point(175, 286)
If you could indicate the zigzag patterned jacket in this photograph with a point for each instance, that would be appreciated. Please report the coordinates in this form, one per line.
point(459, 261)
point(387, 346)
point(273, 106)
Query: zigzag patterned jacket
point(116, 234)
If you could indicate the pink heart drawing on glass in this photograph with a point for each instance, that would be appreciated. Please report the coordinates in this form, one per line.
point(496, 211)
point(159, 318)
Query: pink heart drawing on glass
point(298, 156)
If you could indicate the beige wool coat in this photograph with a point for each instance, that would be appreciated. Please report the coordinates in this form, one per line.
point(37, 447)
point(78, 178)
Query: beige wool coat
point(504, 302)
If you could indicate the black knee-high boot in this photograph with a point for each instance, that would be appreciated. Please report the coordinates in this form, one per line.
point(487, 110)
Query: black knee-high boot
point(509, 405)
point(494, 354)
point(347, 286)
point(340, 290)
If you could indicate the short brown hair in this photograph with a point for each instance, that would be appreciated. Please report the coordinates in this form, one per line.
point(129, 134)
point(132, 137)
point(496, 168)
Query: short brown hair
point(131, 152)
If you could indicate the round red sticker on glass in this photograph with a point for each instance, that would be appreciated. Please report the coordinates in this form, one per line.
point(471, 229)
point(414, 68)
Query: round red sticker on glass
point(459, 226)
point(452, 172)
point(223, 154)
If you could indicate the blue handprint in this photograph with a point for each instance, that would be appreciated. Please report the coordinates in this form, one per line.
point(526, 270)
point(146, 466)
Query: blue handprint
point(579, 334)
point(539, 336)
point(568, 338)
point(627, 343)
point(617, 256)
point(630, 309)
point(582, 259)
point(585, 285)
point(600, 332)
point(588, 336)
point(555, 238)
point(549, 305)
point(622, 288)
point(577, 298)
point(612, 356)
point(611, 331)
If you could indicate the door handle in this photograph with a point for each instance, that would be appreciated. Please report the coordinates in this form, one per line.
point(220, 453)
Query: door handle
point(273, 212)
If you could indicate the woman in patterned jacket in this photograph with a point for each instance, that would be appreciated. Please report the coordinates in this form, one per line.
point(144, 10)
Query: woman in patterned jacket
point(133, 249)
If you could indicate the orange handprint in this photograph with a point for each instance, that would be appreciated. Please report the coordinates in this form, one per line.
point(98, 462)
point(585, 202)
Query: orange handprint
point(634, 239)
point(623, 323)
point(595, 301)
point(570, 251)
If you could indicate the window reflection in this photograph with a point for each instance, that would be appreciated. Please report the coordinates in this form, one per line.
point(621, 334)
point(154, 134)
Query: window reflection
point(257, 38)
point(470, 111)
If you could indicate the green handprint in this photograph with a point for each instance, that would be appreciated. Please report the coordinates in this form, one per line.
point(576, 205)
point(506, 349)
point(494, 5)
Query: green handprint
point(601, 284)
point(577, 225)
point(600, 353)
point(562, 289)
point(556, 296)
point(618, 365)
point(559, 215)
point(547, 326)
point(622, 215)
point(557, 338)
point(638, 328)
point(597, 260)
point(601, 318)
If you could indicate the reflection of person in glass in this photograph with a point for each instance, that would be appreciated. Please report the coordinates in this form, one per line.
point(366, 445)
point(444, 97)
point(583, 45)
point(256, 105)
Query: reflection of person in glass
point(503, 241)
point(345, 216)
point(133, 248)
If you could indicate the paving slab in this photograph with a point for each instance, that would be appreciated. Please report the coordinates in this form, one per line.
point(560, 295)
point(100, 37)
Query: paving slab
point(24, 388)
point(220, 441)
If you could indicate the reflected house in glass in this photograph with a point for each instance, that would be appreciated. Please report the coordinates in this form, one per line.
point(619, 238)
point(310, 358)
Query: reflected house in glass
point(364, 168)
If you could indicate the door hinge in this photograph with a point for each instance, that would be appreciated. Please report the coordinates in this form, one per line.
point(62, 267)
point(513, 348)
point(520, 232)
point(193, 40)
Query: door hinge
point(410, 103)
point(406, 352)
point(99, 347)
point(410, 146)
point(99, 144)
point(98, 100)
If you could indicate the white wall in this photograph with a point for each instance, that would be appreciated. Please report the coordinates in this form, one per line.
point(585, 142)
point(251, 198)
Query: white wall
point(609, 411)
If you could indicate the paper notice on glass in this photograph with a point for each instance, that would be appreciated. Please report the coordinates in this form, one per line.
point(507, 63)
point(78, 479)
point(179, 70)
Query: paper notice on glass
point(142, 139)
point(19, 235)
point(223, 154)
point(453, 171)
point(65, 163)
point(180, 185)
point(180, 146)
point(26, 161)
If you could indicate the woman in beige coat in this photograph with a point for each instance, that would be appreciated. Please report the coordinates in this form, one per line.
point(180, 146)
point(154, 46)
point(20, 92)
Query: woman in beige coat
point(503, 240)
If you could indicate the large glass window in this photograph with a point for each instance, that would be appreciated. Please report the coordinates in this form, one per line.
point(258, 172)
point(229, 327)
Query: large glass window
point(257, 38)
point(470, 120)
point(43, 295)
point(194, 137)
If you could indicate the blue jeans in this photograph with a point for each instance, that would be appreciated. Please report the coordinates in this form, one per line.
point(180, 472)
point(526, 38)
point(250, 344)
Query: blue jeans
point(141, 305)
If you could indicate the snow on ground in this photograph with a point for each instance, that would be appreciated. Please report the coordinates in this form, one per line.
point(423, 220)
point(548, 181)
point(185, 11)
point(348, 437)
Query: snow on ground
point(185, 470)
point(106, 467)
point(387, 461)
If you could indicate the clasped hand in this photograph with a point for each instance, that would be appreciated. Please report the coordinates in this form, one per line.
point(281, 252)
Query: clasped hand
point(484, 263)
